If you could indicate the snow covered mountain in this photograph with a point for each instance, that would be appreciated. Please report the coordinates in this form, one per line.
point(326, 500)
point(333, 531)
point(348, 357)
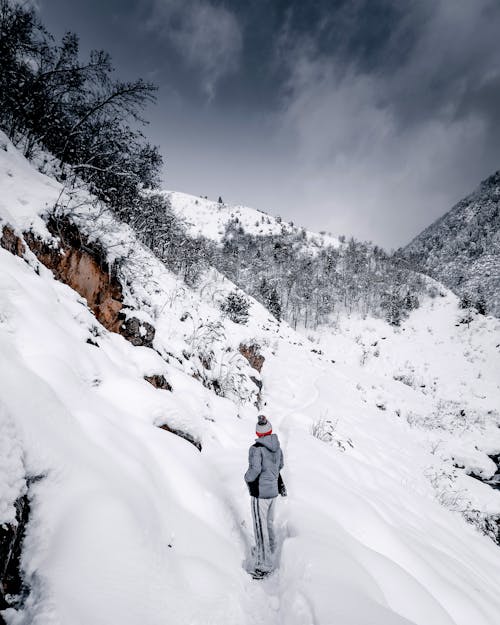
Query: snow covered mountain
point(132, 399)
point(210, 219)
point(462, 248)
point(305, 278)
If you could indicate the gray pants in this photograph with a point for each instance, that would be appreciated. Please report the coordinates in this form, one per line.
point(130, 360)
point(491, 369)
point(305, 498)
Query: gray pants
point(263, 527)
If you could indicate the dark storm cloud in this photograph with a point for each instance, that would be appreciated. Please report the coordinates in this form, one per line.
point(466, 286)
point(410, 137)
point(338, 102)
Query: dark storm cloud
point(386, 142)
point(206, 36)
point(368, 117)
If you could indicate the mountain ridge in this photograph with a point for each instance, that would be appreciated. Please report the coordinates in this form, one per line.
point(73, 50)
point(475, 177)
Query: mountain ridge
point(461, 249)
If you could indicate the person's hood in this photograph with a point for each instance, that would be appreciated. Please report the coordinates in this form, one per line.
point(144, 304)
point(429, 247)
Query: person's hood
point(271, 442)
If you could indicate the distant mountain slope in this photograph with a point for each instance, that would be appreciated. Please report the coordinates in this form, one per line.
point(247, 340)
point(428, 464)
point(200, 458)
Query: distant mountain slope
point(462, 248)
point(303, 277)
point(210, 219)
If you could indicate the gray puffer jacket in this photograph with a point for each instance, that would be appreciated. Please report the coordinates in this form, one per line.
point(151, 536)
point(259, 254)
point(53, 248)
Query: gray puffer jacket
point(265, 461)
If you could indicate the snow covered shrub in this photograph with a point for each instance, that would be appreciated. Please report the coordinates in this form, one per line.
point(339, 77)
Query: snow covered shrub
point(487, 524)
point(204, 336)
point(236, 307)
point(404, 378)
point(325, 430)
point(406, 375)
point(228, 380)
point(212, 363)
point(443, 482)
point(449, 416)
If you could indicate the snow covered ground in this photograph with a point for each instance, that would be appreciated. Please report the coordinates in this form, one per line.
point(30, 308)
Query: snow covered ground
point(132, 524)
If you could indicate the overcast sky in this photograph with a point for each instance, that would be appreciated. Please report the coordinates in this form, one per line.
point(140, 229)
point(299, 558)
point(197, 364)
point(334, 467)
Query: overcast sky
point(360, 117)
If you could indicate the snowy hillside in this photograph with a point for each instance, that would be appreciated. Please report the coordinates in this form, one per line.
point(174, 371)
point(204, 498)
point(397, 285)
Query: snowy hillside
point(210, 219)
point(131, 523)
point(304, 278)
point(462, 249)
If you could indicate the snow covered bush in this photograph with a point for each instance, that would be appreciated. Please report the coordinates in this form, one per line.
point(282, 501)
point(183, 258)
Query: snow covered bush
point(487, 524)
point(236, 307)
point(230, 381)
point(326, 430)
point(455, 499)
point(408, 376)
point(448, 415)
point(443, 481)
point(404, 378)
point(212, 362)
point(203, 338)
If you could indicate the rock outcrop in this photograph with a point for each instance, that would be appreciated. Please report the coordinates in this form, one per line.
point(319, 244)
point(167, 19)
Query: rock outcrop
point(158, 381)
point(137, 332)
point(252, 354)
point(82, 266)
point(79, 264)
point(13, 589)
point(185, 435)
point(11, 242)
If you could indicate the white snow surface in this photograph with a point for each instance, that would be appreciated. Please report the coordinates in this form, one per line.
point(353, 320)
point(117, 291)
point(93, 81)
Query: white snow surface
point(132, 524)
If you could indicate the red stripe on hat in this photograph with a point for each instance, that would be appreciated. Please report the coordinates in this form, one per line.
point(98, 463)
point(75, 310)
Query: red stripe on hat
point(259, 434)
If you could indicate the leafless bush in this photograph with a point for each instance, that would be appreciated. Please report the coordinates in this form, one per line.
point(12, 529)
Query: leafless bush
point(326, 430)
point(448, 495)
point(450, 416)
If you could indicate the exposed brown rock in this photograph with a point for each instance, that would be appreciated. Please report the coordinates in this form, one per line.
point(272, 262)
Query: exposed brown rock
point(11, 242)
point(158, 381)
point(251, 353)
point(186, 435)
point(83, 267)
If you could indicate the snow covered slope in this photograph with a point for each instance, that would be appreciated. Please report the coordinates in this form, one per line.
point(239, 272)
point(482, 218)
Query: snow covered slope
point(208, 218)
point(462, 248)
point(132, 524)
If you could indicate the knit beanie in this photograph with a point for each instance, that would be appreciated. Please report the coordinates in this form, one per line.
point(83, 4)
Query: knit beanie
point(263, 427)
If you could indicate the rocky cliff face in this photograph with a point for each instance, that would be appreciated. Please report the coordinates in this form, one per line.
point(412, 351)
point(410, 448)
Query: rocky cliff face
point(82, 266)
point(462, 248)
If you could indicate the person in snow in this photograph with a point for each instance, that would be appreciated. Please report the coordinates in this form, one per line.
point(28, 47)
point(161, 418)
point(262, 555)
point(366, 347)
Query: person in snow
point(265, 461)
